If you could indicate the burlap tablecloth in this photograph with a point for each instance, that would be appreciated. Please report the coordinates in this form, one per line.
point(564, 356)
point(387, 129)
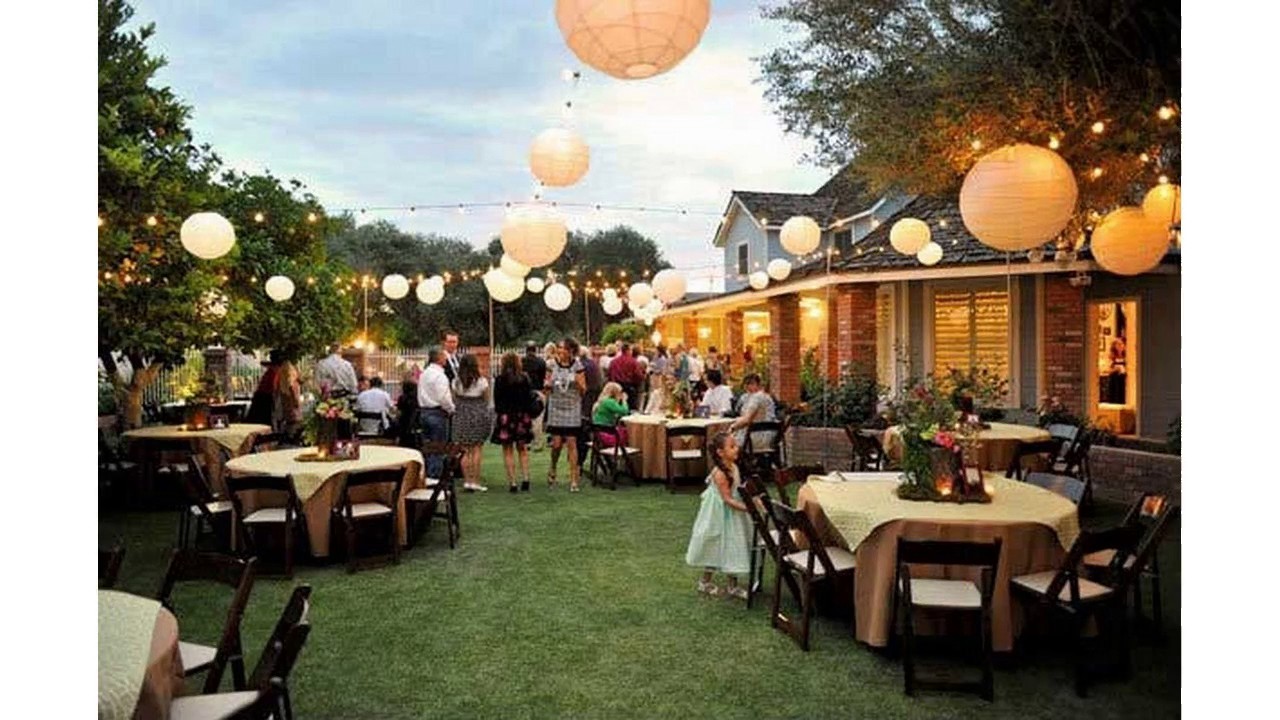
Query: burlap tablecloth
point(237, 438)
point(1035, 526)
point(139, 668)
point(999, 443)
point(648, 433)
point(319, 484)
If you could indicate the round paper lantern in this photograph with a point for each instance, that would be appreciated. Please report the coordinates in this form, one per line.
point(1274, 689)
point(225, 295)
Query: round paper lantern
point(640, 294)
point(535, 284)
point(612, 306)
point(1164, 203)
point(800, 235)
point(558, 297)
point(559, 157)
point(632, 39)
point(279, 288)
point(533, 235)
point(655, 307)
point(431, 292)
point(395, 286)
point(513, 267)
point(930, 254)
point(779, 269)
point(207, 235)
point(1018, 197)
point(1130, 242)
point(669, 285)
point(909, 236)
point(501, 286)
point(609, 294)
point(758, 280)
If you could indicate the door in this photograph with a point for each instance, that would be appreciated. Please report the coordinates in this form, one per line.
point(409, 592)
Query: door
point(1112, 365)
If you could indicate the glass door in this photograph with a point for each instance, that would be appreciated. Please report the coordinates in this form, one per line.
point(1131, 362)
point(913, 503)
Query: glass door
point(1112, 365)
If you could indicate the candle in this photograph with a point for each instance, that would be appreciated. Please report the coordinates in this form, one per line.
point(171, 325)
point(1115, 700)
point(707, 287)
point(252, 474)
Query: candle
point(943, 484)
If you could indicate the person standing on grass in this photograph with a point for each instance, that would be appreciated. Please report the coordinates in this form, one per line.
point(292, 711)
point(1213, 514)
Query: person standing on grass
point(336, 375)
point(435, 401)
point(472, 422)
point(721, 537)
point(566, 386)
point(453, 353)
point(536, 368)
point(625, 371)
point(513, 429)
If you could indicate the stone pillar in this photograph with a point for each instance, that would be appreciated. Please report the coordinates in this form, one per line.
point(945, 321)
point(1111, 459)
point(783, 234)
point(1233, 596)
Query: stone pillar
point(217, 364)
point(1064, 326)
point(733, 337)
point(689, 330)
point(784, 347)
point(855, 321)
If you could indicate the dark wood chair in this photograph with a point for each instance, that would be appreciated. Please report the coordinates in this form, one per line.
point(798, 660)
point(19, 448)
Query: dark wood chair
point(805, 568)
point(1065, 591)
point(1044, 452)
point(956, 596)
point(439, 496)
point(285, 514)
point(266, 442)
point(113, 467)
point(867, 454)
point(352, 514)
point(193, 566)
point(684, 445)
point(295, 613)
point(1068, 487)
point(765, 541)
point(1154, 514)
point(268, 696)
point(109, 562)
point(794, 475)
point(205, 509)
point(768, 454)
point(609, 461)
point(363, 420)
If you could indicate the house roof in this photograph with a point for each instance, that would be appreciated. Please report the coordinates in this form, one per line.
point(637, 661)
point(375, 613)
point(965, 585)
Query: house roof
point(851, 193)
point(777, 207)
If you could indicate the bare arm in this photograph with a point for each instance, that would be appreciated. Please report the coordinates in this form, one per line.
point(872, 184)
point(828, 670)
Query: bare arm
point(726, 491)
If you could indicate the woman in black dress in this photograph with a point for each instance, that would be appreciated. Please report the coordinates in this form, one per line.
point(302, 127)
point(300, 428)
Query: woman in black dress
point(513, 430)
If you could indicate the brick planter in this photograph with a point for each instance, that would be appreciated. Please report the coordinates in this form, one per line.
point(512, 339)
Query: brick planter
point(828, 447)
point(1121, 475)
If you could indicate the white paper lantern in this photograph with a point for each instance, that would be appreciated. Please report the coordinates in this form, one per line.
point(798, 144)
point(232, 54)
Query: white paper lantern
point(612, 306)
point(779, 269)
point(609, 294)
point(909, 236)
point(930, 254)
point(669, 285)
point(430, 291)
point(279, 288)
point(640, 294)
point(559, 157)
point(207, 235)
point(1164, 203)
point(502, 287)
point(632, 39)
point(655, 307)
point(1130, 242)
point(1018, 197)
point(758, 280)
point(800, 235)
point(395, 286)
point(535, 284)
point(513, 267)
point(558, 297)
point(533, 235)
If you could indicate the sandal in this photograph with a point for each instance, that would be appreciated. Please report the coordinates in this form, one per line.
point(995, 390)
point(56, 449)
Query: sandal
point(574, 488)
point(551, 481)
point(708, 588)
point(737, 591)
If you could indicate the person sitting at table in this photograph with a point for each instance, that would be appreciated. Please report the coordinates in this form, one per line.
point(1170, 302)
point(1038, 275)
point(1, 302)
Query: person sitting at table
point(286, 407)
point(260, 407)
point(659, 395)
point(407, 411)
point(756, 406)
point(718, 399)
point(375, 400)
point(609, 410)
point(336, 374)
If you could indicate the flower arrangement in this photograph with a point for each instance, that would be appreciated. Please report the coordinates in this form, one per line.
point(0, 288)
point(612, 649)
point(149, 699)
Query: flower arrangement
point(681, 400)
point(986, 389)
point(331, 419)
point(928, 422)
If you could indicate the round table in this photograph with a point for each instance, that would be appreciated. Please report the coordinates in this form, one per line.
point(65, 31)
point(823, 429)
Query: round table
point(318, 484)
point(648, 433)
point(236, 437)
point(998, 443)
point(863, 514)
point(139, 667)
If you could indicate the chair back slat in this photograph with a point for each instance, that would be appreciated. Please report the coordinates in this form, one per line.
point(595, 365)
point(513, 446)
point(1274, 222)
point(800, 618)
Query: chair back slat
point(985, 555)
point(788, 519)
point(1068, 487)
point(1122, 540)
point(1063, 431)
point(109, 562)
point(393, 477)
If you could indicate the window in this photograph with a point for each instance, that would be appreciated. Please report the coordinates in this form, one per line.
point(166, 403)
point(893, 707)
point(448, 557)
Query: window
point(971, 329)
point(885, 337)
point(742, 259)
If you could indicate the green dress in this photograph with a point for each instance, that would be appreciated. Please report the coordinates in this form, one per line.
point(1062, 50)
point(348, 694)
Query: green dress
point(721, 537)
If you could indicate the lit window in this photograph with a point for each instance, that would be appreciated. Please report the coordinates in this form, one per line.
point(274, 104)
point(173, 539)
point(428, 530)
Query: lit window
point(970, 330)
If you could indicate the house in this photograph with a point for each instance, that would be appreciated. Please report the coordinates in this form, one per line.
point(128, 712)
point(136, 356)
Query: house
point(1106, 346)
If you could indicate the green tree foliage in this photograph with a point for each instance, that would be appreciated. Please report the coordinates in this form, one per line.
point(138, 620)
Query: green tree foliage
point(628, 332)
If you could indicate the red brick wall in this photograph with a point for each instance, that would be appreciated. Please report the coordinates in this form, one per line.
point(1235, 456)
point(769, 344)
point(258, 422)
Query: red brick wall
point(855, 320)
point(690, 331)
point(1064, 324)
point(732, 351)
point(784, 350)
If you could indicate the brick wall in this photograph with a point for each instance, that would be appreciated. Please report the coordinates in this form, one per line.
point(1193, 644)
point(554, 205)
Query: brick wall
point(732, 351)
point(1064, 324)
point(784, 350)
point(855, 319)
point(1121, 475)
point(828, 447)
point(689, 330)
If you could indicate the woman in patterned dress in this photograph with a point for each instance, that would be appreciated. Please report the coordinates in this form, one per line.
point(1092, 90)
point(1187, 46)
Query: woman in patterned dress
point(513, 429)
point(472, 420)
point(567, 384)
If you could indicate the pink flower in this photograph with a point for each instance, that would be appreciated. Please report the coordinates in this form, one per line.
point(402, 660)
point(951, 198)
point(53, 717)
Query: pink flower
point(945, 440)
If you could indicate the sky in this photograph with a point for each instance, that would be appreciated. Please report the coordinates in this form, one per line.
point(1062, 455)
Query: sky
point(378, 103)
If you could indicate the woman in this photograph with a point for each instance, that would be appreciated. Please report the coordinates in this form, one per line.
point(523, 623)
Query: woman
point(659, 394)
point(719, 398)
point(609, 410)
point(262, 406)
point(566, 385)
point(286, 411)
point(472, 420)
point(512, 396)
point(407, 410)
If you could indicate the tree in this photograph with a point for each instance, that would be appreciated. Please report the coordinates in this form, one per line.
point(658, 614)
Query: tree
point(914, 91)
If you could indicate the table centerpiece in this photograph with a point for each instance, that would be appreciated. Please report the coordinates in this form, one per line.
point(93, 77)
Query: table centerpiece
point(329, 428)
point(936, 445)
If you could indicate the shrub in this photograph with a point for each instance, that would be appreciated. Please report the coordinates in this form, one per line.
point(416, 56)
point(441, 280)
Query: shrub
point(850, 401)
point(623, 332)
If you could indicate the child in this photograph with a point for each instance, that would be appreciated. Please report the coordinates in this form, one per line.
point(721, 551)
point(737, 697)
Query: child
point(722, 531)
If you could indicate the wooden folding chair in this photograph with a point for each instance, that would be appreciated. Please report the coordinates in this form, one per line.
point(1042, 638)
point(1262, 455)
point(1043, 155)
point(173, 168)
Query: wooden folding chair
point(284, 515)
point(611, 459)
point(109, 562)
point(804, 568)
point(1045, 452)
point(867, 455)
point(193, 566)
point(204, 508)
point(438, 494)
point(794, 475)
point(352, 514)
point(678, 450)
point(1154, 514)
point(768, 456)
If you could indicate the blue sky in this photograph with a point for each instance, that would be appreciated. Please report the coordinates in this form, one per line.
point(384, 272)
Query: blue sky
point(378, 103)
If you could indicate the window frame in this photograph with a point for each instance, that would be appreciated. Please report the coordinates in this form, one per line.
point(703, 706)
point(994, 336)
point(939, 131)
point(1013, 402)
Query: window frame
point(743, 260)
point(972, 286)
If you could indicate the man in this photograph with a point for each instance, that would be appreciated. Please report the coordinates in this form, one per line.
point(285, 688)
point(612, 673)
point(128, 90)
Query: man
point(719, 398)
point(453, 354)
point(610, 352)
point(696, 372)
point(755, 406)
point(375, 400)
point(680, 363)
point(536, 368)
point(625, 371)
point(336, 374)
point(436, 403)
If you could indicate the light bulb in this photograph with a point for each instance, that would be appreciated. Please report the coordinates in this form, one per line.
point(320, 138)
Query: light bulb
point(259, 217)
point(976, 145)
point(311, 217)
point(1098, 127)
point(1053, 143)
point(152, 222)
point(1165, 112)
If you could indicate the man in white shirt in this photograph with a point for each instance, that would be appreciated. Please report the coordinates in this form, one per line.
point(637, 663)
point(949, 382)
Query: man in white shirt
point(718, 398)
point(336, 374)
point(375, 400)
point(611, 351)
point(436, 402)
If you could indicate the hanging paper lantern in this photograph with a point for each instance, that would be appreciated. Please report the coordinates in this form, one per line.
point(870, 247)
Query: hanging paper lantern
point(779, 269)
point(655, 307)
point(612, 306)
point(669, 285)
point(207, 235)
point(533, 235)
point(909, 236)
point(632, 39)
point(1164, 203)
point(535, 284)
point(558, 297)
point(609, 294)
point(800, 235)
point(930, 254)
point(430, 291)
point(513, 267)
point(640, 294)
point(1130, 242)
point(279, 288)
point(559, 157)
point(1018, 197)
point(758, 280)
point(395, 286)
point(501, 286)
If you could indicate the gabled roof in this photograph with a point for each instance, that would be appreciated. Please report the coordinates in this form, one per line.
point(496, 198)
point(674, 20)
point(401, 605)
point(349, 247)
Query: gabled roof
point(778, 207)
point(851, 193)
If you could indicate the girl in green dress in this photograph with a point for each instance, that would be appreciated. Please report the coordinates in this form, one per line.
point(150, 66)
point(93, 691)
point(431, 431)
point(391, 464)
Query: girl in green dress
point(721, 539)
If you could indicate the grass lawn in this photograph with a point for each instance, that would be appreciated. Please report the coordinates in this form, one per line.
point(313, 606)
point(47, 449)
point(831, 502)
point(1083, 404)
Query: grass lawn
point(560, 605)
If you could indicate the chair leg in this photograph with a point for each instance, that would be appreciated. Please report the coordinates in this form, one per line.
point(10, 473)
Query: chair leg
point(1122, 639)
point(751, 569)
point(288, 548)
point(395, 540)
point(988, 671)
point(1081, 656)
point(237, 672)
point(1157, 611)
point(777, 598)
point(908, 652)
point(805, 616)
point(351, 547)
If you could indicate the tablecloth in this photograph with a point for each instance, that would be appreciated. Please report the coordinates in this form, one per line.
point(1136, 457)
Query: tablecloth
point(139, 667)
point(648, 433)
point(999, 443)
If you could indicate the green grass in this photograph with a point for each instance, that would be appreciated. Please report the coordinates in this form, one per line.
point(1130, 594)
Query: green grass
point(560, 605)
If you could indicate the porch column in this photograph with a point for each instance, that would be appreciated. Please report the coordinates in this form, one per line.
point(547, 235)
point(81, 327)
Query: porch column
point(855, 318)
point(1064, 323)
point(784, 350)
point(689, 330)
point(732, 350)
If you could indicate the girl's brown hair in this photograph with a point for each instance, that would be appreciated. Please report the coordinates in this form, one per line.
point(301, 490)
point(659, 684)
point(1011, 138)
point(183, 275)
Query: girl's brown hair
point(718, 443)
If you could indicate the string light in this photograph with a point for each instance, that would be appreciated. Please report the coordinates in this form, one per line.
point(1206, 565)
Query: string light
point(1053, 142)
point(1096, 173)
point(259, 217)
point(311, 217)
point(1164, 179)
point(1144, 158)
point(976, 145)
point(1165, 112)
point(1098, 127)
point(152, 221)
point(101, 221)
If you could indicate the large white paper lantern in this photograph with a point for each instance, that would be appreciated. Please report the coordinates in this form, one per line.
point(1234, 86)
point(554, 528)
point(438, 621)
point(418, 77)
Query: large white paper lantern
point(431, 290)
point(1164, 203)
point(535, 284)
point(1018, 197)
point(640, 294)
point(655, 307)
point(669, 285)
point(533, 235)
point(207, 235)
point(610, 294)
point(1130, 242)
point(501, 286)
point(800, 235)
point(632, 39)
point(909, 236)
point(279, 288)
point(559, 157)
point(612, 306)
point(758, 280)
point(513, 267)
point(930, 254)
point(395, 286)
point(558, 297)
point(779, 269)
